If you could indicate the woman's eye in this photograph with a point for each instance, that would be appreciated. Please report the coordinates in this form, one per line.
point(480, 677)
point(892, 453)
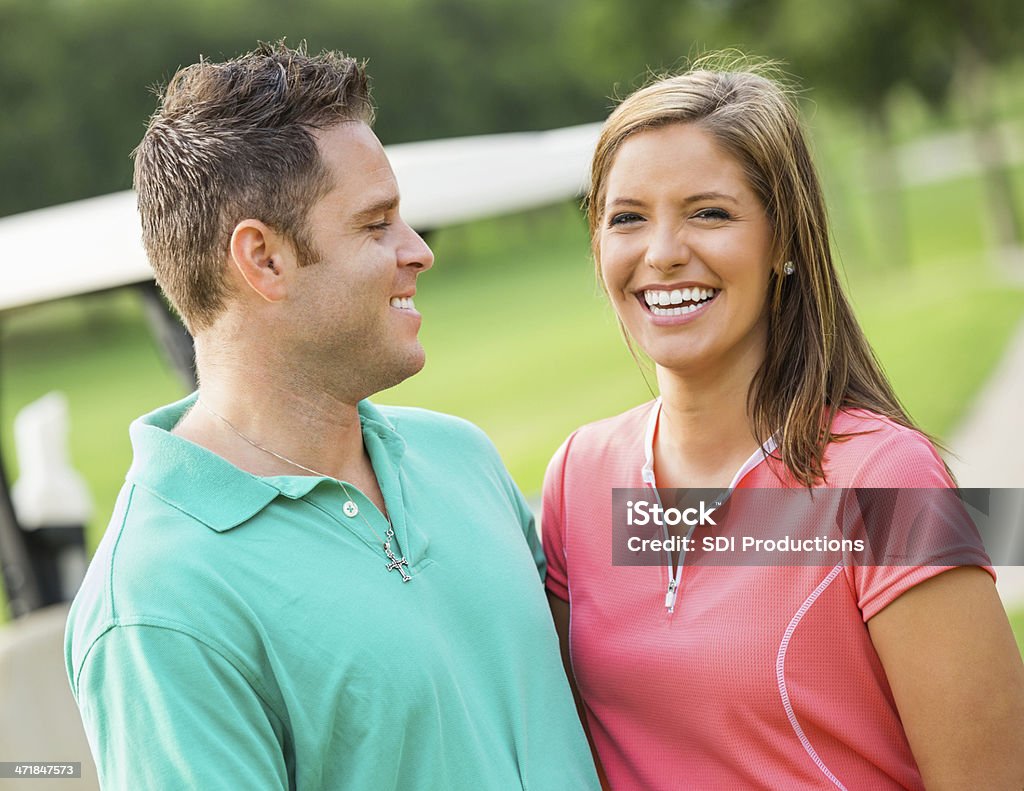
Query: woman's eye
point(712, 214)
point(624, 218)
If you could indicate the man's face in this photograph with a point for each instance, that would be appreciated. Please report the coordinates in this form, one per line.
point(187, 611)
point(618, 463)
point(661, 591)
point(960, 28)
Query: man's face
point(353, 307)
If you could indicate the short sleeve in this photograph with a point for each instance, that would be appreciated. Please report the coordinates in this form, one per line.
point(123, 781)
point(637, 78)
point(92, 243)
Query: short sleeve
point(911, 518)
point(904, 459)
point(529, 525)
point(525, 517)
point(476, 449)
point(552, 523)
point(164, 711)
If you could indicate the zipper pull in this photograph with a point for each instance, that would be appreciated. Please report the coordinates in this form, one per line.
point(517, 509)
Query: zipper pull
point(670, 597)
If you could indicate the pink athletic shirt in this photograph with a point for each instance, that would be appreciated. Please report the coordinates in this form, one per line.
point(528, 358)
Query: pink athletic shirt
point(760, 677)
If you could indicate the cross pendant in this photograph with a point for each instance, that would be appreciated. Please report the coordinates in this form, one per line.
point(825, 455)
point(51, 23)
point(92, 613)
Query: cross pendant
point(396, 563)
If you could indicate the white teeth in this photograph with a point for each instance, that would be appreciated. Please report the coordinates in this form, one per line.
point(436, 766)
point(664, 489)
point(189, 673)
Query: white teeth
point(657, 310)
point(667, 301)
point(402, 303)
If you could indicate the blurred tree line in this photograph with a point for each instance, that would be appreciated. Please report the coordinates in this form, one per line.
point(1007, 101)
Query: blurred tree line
point(76, 75)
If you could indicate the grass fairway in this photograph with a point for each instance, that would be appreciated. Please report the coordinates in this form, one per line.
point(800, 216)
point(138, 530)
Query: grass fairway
point(1017, 622)
point(99, 352)
point(938, 333)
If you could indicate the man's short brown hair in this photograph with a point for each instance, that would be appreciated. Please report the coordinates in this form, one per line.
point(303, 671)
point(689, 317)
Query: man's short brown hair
point(231, 141)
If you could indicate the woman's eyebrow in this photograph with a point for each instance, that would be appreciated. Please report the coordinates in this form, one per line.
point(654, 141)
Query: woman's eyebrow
point(697, 198)
point(705, 196)
point(625, 202)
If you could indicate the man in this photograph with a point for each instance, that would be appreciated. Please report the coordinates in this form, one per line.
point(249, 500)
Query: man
point(299, 589)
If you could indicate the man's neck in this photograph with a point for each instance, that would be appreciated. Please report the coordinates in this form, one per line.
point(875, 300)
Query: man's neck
point(278, 425)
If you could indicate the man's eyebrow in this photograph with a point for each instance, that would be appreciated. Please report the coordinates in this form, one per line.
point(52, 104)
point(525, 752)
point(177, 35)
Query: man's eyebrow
point(383, 206)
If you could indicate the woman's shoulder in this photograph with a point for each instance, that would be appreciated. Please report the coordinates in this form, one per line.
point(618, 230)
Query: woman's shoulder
point(857, 419)
point(625, 429)
point(611, 440)
point(872, 450)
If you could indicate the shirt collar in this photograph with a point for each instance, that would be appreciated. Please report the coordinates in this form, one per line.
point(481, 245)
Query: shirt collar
point(647, 471)
point(211, 489)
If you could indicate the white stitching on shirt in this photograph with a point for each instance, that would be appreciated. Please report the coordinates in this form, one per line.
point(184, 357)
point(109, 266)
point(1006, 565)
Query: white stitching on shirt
point(780, 674)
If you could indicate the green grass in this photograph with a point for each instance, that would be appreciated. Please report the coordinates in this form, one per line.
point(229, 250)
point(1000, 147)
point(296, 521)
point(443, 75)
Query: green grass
point(98, 351)
point(939, 333)
point(1017, 622)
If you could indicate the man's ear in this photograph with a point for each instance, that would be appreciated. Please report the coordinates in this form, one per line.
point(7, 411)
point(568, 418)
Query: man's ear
point(263, 258)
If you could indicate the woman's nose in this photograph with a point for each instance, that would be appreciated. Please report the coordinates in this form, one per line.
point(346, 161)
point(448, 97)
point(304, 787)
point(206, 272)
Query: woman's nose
point(666, 249)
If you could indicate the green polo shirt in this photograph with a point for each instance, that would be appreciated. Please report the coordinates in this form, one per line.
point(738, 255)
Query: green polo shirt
point(238, 632)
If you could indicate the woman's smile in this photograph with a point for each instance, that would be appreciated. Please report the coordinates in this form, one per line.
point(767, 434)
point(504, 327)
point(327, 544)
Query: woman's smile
point(676, 305)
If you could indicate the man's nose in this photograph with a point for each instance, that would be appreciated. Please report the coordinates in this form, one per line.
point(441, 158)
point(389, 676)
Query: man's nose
point(418, 254)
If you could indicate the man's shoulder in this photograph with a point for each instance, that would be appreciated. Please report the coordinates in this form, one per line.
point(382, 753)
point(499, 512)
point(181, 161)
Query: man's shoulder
point(149, 569)
point(417, 425)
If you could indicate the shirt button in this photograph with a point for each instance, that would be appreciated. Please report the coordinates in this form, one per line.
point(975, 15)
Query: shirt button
point(350, 508)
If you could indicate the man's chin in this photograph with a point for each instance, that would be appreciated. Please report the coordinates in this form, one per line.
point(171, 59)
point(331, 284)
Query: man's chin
point(416, 364)
point(403, 369)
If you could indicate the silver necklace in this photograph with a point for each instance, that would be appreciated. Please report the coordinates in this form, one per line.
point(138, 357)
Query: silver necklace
point(350, 508)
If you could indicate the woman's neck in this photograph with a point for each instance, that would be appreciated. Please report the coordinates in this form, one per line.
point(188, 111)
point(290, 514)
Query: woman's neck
point(704, 433)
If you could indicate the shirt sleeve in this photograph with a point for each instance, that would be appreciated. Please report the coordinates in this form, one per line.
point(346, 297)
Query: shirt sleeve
point(523, 512)
point(529, 524)
point(163, 710)
point(912, 520)
point(552, 523)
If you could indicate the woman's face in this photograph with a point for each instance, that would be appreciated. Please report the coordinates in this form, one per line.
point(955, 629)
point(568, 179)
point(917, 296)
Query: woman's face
point(686, 251)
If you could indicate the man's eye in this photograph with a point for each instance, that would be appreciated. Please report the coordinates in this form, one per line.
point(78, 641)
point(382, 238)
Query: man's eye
point(712, 214)
point(624, 218)
point(379, 226)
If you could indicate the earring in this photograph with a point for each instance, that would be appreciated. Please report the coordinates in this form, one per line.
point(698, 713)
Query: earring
point(788, 268)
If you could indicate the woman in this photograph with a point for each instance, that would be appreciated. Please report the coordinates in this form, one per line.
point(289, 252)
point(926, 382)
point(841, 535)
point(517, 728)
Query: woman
point(709, 232)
